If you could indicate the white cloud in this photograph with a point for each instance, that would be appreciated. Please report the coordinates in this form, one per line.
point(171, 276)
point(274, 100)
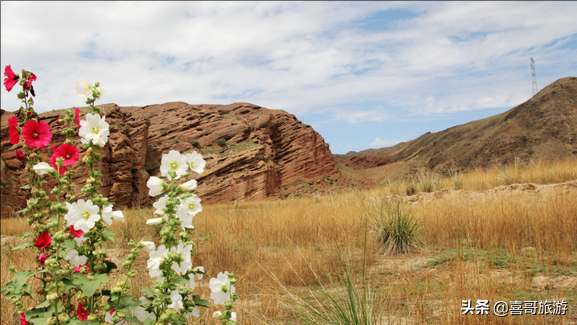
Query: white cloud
point(302, 57)
point(378, 143)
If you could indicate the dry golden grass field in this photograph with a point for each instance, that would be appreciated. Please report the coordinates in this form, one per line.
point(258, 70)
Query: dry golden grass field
point(504, 234)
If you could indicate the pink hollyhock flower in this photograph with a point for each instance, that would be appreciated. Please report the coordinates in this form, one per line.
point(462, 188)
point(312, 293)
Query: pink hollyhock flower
point(66, 151)
point(23, 319)
point(77, 116)
point(13, 130)
point(42, 258)
point(28, 82)
point(76, 233)
point(36, 134)
point(82, 313)
point(44, 241)
point(20, 156)
point(10, 78)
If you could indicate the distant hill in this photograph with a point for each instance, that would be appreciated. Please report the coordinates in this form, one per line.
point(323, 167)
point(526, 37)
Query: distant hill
point(542, 128)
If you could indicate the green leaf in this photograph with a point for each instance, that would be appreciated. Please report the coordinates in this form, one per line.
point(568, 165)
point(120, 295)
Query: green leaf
point(108, 234)
point(22, 246)
point(148, 292)
point(79, 322)
point(43, 320)
point(20, 279)
point(200, 302)
point(69, 244)
point(148, 321)
point(45, 304)
point(25, 187)
point(26, 234)
point(22, 211)
point(89, 286)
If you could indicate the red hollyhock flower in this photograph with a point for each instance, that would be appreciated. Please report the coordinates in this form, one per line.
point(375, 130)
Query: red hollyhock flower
point(77, 116)
point(82, 312)
point(20, 156)
point(13, 130)
point(10, 78)
point(36, 134)
point(28, 82)
point(76, 233)
point(23, 319)
point(68, 152)
point(42, 258)
point(44, 241)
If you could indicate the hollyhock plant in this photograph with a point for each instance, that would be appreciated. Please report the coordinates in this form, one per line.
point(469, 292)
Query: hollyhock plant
point(82, 215)
point(42, 258)
point(43, 168)
point(10, 78)
point(83, 88)
point(195, 162)
point(74, 258)
point(108, 215)
point(68, 152)
point(44, 241)
point(23, 319)
point(13, 130)
point(20, 155)
point(28, 83)
point(156, 186)
point(221, 288)
point(94, 128)
point(82, 312)
point(36, 134)
point(76, 233)
point(77, 116)
point(173, 162)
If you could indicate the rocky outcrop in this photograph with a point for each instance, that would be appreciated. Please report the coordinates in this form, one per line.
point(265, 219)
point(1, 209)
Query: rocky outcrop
point(252, 152)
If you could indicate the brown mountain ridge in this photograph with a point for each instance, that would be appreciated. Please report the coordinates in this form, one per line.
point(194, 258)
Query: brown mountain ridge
point(542, 128)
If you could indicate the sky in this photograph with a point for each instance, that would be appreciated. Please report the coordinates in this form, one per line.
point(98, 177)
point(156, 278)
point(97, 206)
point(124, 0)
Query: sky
point(362, 74)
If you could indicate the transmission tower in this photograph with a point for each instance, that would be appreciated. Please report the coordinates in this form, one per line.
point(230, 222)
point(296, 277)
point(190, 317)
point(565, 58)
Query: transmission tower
point(533, 76)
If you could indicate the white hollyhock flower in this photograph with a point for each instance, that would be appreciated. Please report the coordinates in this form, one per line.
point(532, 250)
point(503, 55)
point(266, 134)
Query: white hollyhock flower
point(160, 205)
point(233, 316)
point(43, 168)
point(195, 162)
point(74, 258)
point(82, 215)
point(184, 252)
point(216, 285)
point(175, 162)
point(118, 216)
point(155, 260)
point(191, 284)
point(83, 88)
point(155, 221)
point(196, 311)
point(201, 269)
point(80, 240)
point(141, 314)
point(149, 246)
point(94, 128)
point(156, 185)
point(108, 215)
point(216, 314)
point(176, 299)
point(185, 218)
point(191, 205)
point(189, 186)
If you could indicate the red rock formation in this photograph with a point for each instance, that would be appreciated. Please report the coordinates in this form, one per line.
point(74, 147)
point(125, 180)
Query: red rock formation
point(266, 150)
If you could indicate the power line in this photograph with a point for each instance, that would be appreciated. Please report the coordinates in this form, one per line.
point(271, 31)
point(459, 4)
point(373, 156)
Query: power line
point(535, 89)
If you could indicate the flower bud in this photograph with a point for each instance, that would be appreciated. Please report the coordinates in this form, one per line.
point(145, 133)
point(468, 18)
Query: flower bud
point(63, 318)
point(51, 296)
point(92, 317)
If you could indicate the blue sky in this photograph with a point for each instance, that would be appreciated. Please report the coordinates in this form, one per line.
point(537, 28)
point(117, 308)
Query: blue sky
point(363, 74)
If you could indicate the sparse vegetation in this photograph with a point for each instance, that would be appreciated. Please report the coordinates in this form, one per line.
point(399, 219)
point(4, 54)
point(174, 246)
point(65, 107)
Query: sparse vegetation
point(496, 246)
point(221, 142)
point(195, 143)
